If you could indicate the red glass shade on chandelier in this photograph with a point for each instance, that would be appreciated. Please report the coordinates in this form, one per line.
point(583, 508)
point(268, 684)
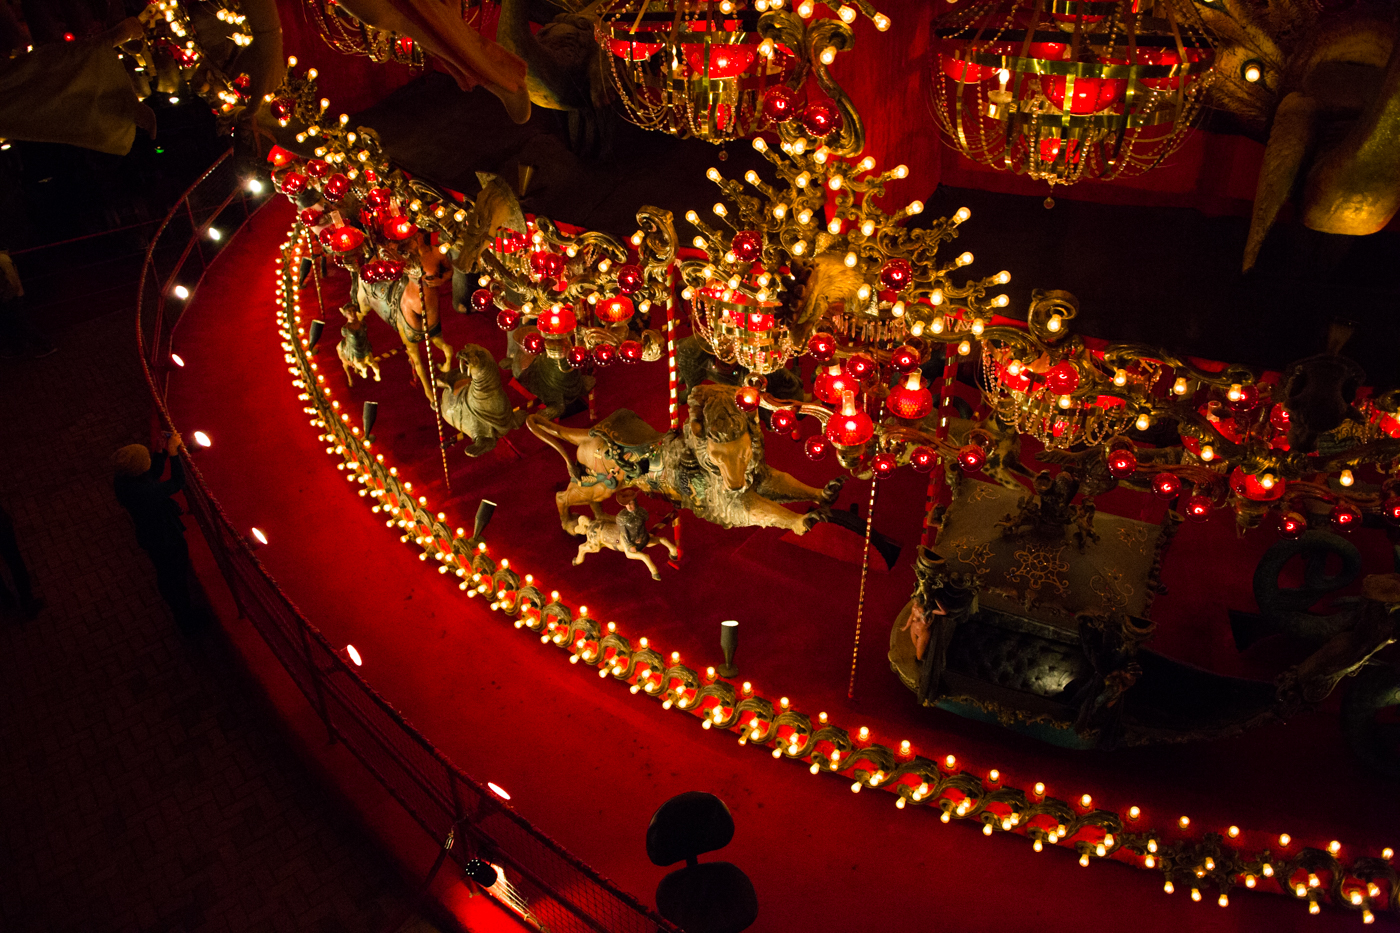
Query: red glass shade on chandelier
point(557, 321)
point(910, 400)
point(1065, 90)
point(850, 427)
point(831, 383)
point(615, 310)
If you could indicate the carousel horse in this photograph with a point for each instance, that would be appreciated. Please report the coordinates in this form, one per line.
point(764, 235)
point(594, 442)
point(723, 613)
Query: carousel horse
point(354, 349)
point(474, 403)
point(625, 532)
point(713, 466)
point(409, 304)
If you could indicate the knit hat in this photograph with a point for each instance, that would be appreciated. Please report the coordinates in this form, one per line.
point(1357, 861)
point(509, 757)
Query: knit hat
point(132, 460)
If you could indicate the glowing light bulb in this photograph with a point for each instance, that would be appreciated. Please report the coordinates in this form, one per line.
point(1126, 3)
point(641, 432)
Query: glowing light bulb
point(181, 291)
point(259, 535)
point(1346, 478)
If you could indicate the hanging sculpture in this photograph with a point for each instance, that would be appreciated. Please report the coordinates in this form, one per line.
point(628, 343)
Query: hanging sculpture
point(1069, 89)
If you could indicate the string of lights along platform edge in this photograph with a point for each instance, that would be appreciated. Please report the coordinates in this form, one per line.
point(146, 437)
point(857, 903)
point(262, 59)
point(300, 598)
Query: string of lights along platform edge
point(562, 744)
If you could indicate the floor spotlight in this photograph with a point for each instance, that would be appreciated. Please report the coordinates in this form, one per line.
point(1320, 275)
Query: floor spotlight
point(318, 327)
point(259, 538)
point(353, 654)
point(181, 292)
point(498, 790)
point(728, 641)
point(215, 234)
point(177, 359)
point(202, 439)
point(370, 413)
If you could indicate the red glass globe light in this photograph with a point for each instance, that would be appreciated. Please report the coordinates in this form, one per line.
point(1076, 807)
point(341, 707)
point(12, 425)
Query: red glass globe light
point(896, 274)
point(820, 118)
point(816, 447)
point(1262, 488)
point(558, 320)
point(342, 239)
point(910, 400)
point(1292, 524)
point(1122, 463)
point(282, 109)
point(399, 229)
point(1344, 516)
point(971, 458)
point(629, 278)
point(884, 463)
point(1246, 398)
point(318, 168)
point(615, 310)
point(336, 187)
point(780, 104)
point(577, 356)
point(905, 359)
point(851, 426)
point(784, 419)
point(483, 300)
point(746, 246)
point(822, 346)
point(604, 354)
point(310, 216)
point(747, 398)
point(1062, 378)
point(1166, 485)
point(861, 367)
point(923, 459)
point(508, 319)
point(533, 342)
point(1198, 508)
point(546, 265)
point(1279, 419)
point(293, 182)
point(629, 351)
point(830, 383)
point(378, 197)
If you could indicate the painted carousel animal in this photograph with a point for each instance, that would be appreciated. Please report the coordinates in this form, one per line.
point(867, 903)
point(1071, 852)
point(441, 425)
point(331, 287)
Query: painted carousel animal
point(713, 466)
point(354, 349)
point(474, 403)
point(409, 304)
point(625, 532)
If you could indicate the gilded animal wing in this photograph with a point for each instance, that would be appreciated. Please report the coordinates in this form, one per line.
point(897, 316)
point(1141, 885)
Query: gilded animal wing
point(829, 282)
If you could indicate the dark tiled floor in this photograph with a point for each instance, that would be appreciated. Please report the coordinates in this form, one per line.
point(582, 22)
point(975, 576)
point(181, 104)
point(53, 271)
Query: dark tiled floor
point(142, 784)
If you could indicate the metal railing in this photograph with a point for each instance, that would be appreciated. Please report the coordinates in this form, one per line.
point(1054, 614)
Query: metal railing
point(562, 893)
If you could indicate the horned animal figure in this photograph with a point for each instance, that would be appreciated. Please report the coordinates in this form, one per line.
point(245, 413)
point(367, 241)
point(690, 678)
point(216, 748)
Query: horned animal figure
point(354, 349)
point(713, 466)
point(625, 532)
point(494, 211)
point(409, 304)
point(474, 403)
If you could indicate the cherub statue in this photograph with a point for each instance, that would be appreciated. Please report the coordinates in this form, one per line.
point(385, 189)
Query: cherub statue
point(354, 349)
point(942, 600)
point(474, 402)
point(625, 532)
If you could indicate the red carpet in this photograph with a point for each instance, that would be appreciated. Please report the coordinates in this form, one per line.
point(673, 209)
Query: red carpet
point(589, 763)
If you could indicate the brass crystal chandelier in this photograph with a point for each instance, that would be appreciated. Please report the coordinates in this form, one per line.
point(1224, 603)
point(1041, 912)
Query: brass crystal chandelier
point(1064, 90)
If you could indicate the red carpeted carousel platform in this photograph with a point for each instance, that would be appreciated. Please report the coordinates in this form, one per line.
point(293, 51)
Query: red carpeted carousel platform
point(589, 762)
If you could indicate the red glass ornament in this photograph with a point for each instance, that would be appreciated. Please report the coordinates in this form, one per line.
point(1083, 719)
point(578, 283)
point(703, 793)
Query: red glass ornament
point(282, 109)
point(629, 278)
point(533, 342)
point(747, 398)
point(483, 300)
point(556, 321)
point(629, 351)
point(1062, 378)
point(896, 273)
point(405, 45)
point(1279, 419)
point(1166, 485)
point(910, 400)
point(923, 459)
point(1293, 524)
point(368, 218)
point(318, 168)
point(820, 118)
point(1390, 511)
point(784, 419)
point(746, 246)
point(861, 367)
point(508, 319)
point(779, 103)
point(815, 447)
point(615, 310)
point(1247, 400)
point(633, 51)
point(1344, 516)
point(310, 216)
point(578, 356)
point(822, 346)
point(341, 239)
point(1122, 462)
point(883, 464)
point(905, 359)
point(399, 228)
point(604, 354)
point(293, 182)
point(1249, 486)
point(1198, 508)
point(830, 383)
point(546, 265)
point(971, 457)
point(378, 197)
point(336, 187)
point(1019, 382)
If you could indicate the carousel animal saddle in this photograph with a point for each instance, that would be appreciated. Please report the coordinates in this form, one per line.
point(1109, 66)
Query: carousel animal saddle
point(624, 428)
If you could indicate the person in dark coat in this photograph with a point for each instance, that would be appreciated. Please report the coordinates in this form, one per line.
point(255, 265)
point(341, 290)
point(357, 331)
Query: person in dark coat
point(159, 530)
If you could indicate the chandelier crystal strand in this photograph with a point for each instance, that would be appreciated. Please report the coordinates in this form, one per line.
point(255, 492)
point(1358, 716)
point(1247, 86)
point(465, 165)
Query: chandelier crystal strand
point(1064, 90)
